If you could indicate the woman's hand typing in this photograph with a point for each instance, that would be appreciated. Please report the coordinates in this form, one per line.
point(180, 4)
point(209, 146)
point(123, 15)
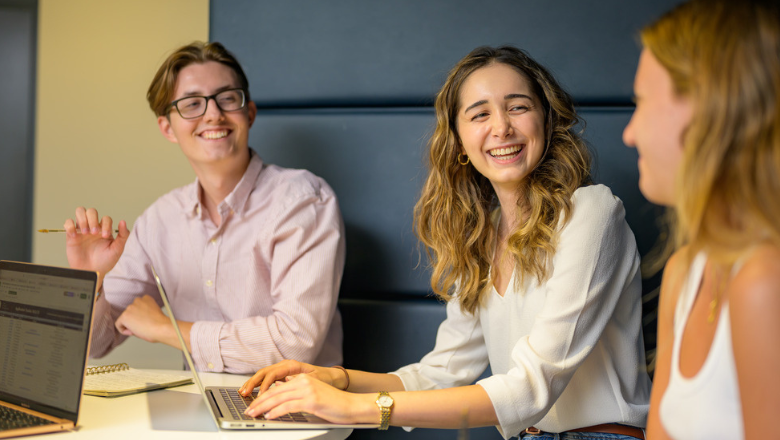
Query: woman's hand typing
point(286, 370)
point(305, 392)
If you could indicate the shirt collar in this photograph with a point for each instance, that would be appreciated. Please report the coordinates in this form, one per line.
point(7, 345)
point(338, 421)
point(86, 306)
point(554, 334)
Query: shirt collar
point(237, 198)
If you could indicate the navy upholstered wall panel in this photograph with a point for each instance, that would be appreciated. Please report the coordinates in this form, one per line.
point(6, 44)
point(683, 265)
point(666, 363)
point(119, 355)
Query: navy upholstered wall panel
point(358, 52)
point(344, 89)
point(374, 160)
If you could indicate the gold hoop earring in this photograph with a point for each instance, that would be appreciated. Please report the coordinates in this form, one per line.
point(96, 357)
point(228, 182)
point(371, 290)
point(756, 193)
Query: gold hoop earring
point(461, 161)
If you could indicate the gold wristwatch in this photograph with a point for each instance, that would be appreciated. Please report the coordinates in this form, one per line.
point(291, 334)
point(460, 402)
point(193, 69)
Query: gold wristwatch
point(385, 404)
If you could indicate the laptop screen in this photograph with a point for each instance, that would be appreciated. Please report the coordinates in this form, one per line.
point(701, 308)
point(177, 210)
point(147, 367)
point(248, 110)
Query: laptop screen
point(45, 317)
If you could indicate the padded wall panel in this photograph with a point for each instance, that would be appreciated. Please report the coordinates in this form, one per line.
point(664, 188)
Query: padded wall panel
point(615, 165)
point(413, 323)
point(374, 160)
point(345, 88)
point(357, 52)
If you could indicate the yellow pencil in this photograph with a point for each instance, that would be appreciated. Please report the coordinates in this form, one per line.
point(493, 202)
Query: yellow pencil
point(46, 231)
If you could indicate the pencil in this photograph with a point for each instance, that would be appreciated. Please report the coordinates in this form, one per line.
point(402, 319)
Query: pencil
point(46, 231)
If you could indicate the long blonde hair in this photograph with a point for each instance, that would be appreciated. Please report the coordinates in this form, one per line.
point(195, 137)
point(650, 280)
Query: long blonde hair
point(725, 56)
point(452, 216)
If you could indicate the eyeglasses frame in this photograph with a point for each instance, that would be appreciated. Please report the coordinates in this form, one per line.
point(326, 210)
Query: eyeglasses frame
point(213, 97)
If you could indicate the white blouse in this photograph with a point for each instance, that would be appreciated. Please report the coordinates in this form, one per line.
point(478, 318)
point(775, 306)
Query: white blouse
point(565, 354)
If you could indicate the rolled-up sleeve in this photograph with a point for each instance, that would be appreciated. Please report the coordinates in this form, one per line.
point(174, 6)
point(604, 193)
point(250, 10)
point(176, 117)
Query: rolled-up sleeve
point(129, 279)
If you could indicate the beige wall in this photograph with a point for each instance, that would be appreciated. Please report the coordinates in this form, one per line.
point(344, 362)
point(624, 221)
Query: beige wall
point(96, 141)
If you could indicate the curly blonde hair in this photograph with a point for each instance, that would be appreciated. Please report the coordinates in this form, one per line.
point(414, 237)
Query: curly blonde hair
point(725, 56)
point(452, 216)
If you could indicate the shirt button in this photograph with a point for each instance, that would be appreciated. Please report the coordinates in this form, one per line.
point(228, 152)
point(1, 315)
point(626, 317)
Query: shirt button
point(209, 283)
point(213, 241)
point(210, 365)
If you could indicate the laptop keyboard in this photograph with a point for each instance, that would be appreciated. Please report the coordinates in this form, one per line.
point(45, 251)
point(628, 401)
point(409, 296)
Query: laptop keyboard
point(238, 403)
point(14, 419)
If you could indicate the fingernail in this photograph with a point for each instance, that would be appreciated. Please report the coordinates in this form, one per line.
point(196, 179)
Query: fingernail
point(95, 230)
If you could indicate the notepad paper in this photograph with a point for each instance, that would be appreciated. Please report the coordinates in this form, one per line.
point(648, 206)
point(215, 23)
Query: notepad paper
point(120, 380)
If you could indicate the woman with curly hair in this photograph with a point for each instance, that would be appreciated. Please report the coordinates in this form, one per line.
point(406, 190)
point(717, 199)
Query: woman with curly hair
point(707, 128)
point(539, 270)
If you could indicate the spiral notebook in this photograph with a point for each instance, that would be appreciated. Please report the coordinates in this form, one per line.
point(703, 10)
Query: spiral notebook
point(121, 380)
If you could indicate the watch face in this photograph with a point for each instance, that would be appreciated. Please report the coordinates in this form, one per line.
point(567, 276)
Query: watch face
point(385, 401)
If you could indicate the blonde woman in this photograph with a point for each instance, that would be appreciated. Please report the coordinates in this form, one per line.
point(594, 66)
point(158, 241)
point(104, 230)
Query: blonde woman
point(539, 270)
point(707, 128)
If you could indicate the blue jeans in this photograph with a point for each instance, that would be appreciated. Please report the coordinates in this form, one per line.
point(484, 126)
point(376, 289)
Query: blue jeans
point(576, 436)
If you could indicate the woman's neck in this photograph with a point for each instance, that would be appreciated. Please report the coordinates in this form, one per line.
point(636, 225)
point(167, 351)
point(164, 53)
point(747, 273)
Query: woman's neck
point(512, 212)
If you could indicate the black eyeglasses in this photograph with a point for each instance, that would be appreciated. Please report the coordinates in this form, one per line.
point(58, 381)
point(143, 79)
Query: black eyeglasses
point(192, 107)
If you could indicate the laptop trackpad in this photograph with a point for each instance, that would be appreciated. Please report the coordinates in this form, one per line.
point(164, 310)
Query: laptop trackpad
point(178, 411)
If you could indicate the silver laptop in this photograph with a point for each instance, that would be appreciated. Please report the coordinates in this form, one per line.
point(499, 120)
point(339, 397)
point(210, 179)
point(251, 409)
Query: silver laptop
point(227, 406)
point(45, 320)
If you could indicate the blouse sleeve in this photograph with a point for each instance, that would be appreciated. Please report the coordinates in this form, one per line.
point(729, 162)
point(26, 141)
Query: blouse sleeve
point(595, 262)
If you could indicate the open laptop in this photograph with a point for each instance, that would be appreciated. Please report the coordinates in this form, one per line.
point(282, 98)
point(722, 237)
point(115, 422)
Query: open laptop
point(227, 406)
point(45, 320)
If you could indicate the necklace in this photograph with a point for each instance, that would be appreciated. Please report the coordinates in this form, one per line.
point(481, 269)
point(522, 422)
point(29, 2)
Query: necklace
point(715, 302)
point(713, 307)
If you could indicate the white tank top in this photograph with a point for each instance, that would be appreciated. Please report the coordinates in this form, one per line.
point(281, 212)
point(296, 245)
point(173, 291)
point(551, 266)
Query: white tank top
point(707, 405)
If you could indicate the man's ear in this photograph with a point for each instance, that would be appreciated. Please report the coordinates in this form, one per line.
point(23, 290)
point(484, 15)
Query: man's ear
point(251, 112)
point(164, 123)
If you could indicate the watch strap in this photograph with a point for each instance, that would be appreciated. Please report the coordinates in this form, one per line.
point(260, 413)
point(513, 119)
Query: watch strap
point(384, 419)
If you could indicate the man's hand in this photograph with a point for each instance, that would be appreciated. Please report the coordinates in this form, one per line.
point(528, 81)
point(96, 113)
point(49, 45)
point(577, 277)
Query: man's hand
point(90, 244)
point(144, 319)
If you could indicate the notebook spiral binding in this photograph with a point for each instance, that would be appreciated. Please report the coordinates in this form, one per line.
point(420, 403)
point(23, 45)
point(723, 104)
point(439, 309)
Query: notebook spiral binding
point(107, 368)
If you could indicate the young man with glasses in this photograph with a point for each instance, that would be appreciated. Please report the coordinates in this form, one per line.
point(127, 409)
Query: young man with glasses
point(251, 254)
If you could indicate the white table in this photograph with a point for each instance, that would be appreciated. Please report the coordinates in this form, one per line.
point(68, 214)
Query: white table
point(170, 414)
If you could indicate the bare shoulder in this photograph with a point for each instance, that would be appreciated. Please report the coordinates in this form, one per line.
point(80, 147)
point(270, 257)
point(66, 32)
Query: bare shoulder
point(676, 263)
point(754, 308)
point(676, 268)
point(756, 286)
point(675, 272)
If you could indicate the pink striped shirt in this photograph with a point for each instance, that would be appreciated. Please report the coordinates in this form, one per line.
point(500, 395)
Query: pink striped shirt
point(260, 288)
